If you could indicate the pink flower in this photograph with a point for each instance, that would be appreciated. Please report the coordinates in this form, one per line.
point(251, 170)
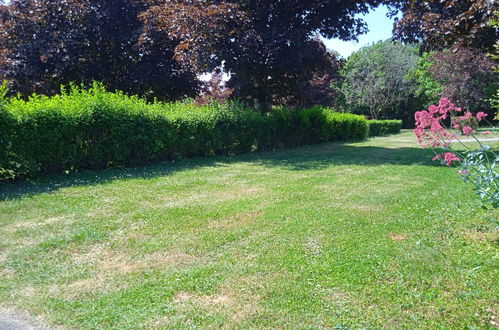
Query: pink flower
point(437, 157)
point(467, 130)
point(435, 125)
point(450, 158)
point(486, 132)
point(432, 109)
point(467, 115)
point(481, 115)
point(432, 133)
point(423, 119)
point(463, 172)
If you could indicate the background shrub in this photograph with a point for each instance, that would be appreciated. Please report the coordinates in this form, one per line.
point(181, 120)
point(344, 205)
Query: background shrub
point(94, 129)
point(384, 127)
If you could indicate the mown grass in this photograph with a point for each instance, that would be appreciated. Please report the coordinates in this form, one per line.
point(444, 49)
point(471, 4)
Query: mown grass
point(359, 235)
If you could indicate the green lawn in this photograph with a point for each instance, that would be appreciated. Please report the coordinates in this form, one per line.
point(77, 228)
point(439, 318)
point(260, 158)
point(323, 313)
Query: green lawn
point(358, 235)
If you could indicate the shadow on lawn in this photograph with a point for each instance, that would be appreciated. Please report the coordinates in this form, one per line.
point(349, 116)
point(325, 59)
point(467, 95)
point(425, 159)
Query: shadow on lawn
point(297, 159)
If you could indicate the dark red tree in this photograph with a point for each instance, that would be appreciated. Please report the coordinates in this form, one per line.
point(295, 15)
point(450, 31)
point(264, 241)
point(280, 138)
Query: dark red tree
point(467, 77)
point(46, 43)
point(440, 24)
point(268, 45)
point(215, 89)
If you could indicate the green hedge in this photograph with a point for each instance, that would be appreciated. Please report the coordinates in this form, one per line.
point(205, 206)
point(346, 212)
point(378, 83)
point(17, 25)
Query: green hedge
point(94, 129)
point(384, 127)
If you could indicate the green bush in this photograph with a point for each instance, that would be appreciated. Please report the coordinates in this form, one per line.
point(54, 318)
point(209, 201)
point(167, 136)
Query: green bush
point(7, 125)
point(94, 129)
point(384, 127)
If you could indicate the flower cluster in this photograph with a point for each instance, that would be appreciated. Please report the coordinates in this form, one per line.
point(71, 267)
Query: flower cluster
point(477, 166)
point(429, 130)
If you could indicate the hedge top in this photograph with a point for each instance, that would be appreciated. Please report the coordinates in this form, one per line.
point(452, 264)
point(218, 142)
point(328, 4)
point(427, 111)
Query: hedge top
point(93, 128)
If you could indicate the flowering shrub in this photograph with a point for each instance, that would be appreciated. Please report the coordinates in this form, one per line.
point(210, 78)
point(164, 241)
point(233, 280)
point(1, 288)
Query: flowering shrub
point(476, 166)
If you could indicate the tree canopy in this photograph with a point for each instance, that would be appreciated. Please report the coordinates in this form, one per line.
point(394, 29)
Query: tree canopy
point(269, 45)
point(440, 24)
point(466, 75)
point(271, 48)
point(52, 42)
point(376, 77)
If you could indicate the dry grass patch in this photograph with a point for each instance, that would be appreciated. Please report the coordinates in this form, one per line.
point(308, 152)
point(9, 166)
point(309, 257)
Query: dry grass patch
point(107, 259)
point(22, 320)
point(207, 197)
point(480, 237)
point(493, 316)
point(239, 306)
point(366, 208)
point(38, 223)
point(108, 263)
point(335, 296)
point(236, 300)
point(397, 237)
point(10, 231)
point(360, 208)
point(235, 221)
point(313, 246)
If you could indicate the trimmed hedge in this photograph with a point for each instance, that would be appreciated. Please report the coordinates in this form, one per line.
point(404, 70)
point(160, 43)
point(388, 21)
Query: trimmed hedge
point(95, 129)
point(384, 127)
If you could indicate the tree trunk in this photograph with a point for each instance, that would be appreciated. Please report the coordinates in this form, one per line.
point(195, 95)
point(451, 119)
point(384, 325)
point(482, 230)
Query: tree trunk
point(260, 97)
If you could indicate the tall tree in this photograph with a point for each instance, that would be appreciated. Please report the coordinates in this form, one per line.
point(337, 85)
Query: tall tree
point(267, 44)
point(428, 90)
point(306, 88)
point(376, 77)
point(466, 75)
point(440, 24)
point(46, 43)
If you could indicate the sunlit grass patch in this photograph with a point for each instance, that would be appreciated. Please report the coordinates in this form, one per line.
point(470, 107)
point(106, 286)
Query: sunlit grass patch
point(370, 234)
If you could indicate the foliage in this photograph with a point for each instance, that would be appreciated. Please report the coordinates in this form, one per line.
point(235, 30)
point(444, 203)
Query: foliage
point(479, 169)
point(52, 42)
point(318, 91)
point(6, 133)
point(269, 46)
point(384, 127)
point(215, 89)
point(477, 166)
point(494, 55)
point(466, 76)
point(428, 90)
point(441, 24)
point(92, 129)
point(375, 77)
point(315, 88)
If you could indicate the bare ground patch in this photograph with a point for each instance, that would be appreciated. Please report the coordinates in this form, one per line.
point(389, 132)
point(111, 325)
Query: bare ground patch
point(12, 319)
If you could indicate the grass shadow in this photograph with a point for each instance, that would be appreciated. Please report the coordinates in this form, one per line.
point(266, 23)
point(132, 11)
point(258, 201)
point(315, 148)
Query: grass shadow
point(327, 155)
point(297, 159)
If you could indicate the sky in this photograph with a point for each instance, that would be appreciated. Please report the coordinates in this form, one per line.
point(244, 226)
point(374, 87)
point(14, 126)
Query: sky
point(380, 28)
